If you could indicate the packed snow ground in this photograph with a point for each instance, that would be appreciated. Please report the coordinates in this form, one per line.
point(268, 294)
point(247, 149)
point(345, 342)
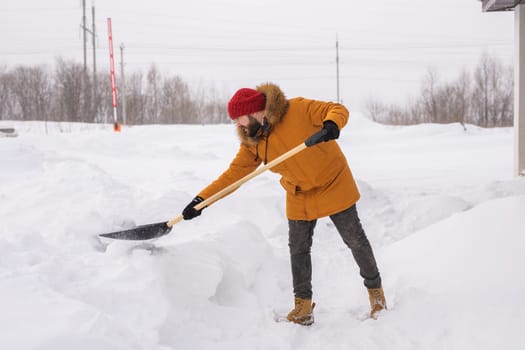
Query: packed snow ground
point(440, 206)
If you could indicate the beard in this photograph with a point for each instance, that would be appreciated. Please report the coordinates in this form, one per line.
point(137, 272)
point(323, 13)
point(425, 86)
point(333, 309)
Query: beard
point(253, 127)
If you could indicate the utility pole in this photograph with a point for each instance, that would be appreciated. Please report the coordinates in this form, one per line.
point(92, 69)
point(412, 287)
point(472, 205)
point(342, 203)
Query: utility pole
point(84, 78)
point(93, 36)
point(84, 30)
point(122, 84)
point(337, 65)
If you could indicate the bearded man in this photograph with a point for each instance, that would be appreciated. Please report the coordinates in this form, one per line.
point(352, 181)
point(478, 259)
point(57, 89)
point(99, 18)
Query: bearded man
point(318, 182)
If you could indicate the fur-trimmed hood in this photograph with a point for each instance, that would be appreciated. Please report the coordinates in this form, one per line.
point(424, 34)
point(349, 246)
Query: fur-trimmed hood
point(276, 102)
point(274, 110)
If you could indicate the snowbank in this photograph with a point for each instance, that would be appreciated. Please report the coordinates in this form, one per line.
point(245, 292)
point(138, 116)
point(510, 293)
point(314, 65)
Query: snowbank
point(439, 206)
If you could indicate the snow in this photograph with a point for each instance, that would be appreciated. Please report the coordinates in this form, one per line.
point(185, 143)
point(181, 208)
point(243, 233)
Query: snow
point(439, 205)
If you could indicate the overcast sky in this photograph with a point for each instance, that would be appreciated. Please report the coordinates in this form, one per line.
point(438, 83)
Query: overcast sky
point(386, 46)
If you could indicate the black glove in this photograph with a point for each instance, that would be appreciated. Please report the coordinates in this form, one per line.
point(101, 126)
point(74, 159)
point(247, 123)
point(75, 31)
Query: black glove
point(332, 130)
point(190, 212)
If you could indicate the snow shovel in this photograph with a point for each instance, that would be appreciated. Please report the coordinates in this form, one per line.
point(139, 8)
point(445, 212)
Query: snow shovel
point(159, 229)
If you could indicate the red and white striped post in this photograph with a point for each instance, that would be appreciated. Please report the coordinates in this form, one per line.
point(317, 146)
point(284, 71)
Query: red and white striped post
point(116, 125)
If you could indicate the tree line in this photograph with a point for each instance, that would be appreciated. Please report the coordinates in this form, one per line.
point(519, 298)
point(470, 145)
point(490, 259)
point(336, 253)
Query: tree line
point(483, 97)
point(66, 92)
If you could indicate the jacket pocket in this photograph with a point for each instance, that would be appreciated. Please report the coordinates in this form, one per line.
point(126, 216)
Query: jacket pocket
point(288, 186)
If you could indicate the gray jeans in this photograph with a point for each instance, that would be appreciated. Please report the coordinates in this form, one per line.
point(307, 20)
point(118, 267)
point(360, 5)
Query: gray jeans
point(349, 226)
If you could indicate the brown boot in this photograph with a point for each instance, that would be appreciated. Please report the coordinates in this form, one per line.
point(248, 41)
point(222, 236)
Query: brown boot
point(377, 301)
point(303, 312)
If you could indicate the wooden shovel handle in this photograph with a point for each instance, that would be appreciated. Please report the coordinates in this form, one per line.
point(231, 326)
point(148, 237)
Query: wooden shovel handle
point(312, 140)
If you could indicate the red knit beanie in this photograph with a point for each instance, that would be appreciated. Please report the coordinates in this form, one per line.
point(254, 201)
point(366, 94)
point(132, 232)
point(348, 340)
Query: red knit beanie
point(246, 101)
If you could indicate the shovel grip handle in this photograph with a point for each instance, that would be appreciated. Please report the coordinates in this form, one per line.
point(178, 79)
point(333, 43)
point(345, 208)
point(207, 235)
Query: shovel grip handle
point(316, 138)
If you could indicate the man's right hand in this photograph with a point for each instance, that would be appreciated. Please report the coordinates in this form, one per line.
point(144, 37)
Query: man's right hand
point(190, 212)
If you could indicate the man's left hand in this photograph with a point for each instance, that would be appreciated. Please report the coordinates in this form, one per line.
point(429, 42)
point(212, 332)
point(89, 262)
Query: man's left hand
point(332, 130)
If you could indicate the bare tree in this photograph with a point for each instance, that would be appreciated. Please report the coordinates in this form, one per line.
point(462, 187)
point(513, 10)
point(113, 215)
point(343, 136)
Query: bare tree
point(214, 107)
point(414, 112)
point(486, 90)
point(104, 105)
point(506, 98)
point(377, 111)
point(215, 111)
point(387, 114)
point(5, 92)
point(87, 108)
point(31, 90)
point(429, 101)
point(209, 105)
point(453, 100)
point(177, 106)
point(68, 85)
point(461, 102)
point(154, 94)
point(136, 99)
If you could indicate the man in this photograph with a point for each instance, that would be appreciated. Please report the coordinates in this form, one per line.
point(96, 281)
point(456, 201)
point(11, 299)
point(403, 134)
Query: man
point(318, 181)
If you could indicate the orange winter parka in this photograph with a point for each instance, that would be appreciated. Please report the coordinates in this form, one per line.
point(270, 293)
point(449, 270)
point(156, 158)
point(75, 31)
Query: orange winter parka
point(317, 180)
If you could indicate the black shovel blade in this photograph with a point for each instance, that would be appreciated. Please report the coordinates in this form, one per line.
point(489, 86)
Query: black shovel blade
point(140, 233)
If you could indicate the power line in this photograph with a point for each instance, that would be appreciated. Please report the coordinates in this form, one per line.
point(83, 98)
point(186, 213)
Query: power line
point(30, 10)
point(328, 49)
point(319, 48)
